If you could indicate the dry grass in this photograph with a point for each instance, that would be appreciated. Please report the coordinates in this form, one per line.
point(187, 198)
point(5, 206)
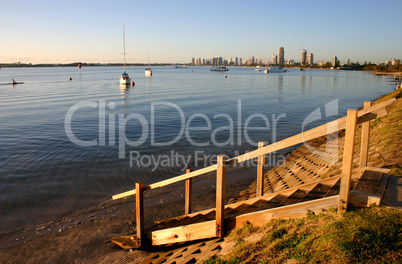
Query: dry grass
point(369, 235)
point(386, 135)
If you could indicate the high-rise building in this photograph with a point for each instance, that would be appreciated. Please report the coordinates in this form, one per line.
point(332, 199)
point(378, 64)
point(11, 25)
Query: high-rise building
point(240, 61)
point(274, 59)
point(193, 61)
point(220, 61)
point(281, 56)
point(304, 57)
point(334, 61)
point(310, 58)
point(236, 61)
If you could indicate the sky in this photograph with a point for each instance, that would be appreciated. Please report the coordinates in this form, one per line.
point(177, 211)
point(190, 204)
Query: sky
point(175, 31)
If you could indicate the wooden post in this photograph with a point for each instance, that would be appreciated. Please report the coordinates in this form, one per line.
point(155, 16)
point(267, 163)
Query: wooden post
point(350, 133)
point(139, 211)
point(260, 172)
point(365, 140)
point(189, 187)
point(220, 195)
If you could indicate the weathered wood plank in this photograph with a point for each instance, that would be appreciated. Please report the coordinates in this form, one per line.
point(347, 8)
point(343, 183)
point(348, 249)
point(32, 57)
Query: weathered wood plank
point(260, 172)
point(382, 186)
point(183, 233)
point(363, 200)
point(285, 212)
point(126, 242)
point(168, 181)
point(347, 160)
point(369, 182)
point(383, 170)
point(139, 212)
point(189, 188)
point(220, 195)
point(365, 139)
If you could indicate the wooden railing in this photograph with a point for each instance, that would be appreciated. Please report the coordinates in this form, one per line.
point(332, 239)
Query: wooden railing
point(349, 123)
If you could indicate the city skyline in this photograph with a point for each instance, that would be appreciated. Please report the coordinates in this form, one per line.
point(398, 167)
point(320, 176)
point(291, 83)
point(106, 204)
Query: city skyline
point(175, 31)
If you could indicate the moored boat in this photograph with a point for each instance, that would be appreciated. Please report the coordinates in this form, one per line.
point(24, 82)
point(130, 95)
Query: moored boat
point(275, 70)
point(124, 77)
point(148, 71)
point(219, 68)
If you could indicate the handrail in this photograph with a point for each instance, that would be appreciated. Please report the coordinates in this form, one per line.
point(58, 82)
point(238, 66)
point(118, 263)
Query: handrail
point(364, 115)
point(168, 181)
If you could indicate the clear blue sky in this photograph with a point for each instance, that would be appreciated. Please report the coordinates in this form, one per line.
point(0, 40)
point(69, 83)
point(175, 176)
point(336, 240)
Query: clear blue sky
point(175, 31)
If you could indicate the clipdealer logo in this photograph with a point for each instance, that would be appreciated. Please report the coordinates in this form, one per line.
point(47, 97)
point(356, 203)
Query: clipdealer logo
point(147, 131)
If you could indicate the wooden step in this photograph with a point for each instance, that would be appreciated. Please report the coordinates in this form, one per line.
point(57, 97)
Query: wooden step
point(334, 189)
point(295, 197)
point(319, 191)
point(369, 182)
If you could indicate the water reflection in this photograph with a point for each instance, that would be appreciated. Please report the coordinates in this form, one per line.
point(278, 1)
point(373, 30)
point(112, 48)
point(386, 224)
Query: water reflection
point(280, 87)
point(309, 82)
point(302, 83)
point(125, 89)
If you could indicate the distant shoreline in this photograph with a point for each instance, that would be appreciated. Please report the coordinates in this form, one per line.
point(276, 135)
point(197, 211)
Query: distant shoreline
point(75, 64)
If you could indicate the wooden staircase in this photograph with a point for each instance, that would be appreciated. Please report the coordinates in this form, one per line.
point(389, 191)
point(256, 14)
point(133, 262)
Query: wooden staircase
point(368, 186)
point(290, 190)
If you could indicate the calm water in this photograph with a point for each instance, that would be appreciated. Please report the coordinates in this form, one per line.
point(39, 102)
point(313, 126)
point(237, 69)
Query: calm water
point(45, 175)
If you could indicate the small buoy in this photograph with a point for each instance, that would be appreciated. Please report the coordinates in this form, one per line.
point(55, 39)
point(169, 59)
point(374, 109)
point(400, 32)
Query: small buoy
point(71, 79)
point(226, 76)
point(132, 83)
point(192, 71)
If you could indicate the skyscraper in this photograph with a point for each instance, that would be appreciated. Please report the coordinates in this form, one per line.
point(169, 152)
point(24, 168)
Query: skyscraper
point(193, 61)
point(334, 61)
point(310, 58)
point(237, 61)
point(281, 56)
point(274, 59)
point(304, 57)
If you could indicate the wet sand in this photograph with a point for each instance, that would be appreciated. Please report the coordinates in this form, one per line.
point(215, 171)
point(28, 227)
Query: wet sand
point(84, 238)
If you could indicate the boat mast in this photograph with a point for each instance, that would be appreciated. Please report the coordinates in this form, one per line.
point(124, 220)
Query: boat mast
point(148, 58)
point(124, 48)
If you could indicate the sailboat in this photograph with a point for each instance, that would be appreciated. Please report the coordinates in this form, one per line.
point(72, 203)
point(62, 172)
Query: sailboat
point(148, 71)
point(124, 77)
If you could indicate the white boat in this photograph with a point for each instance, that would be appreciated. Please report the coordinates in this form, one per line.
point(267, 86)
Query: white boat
point(124, 77)
point(148, 71)
point(180, 66)
point(219, 68)
point(275, 70)
point(257, 68)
